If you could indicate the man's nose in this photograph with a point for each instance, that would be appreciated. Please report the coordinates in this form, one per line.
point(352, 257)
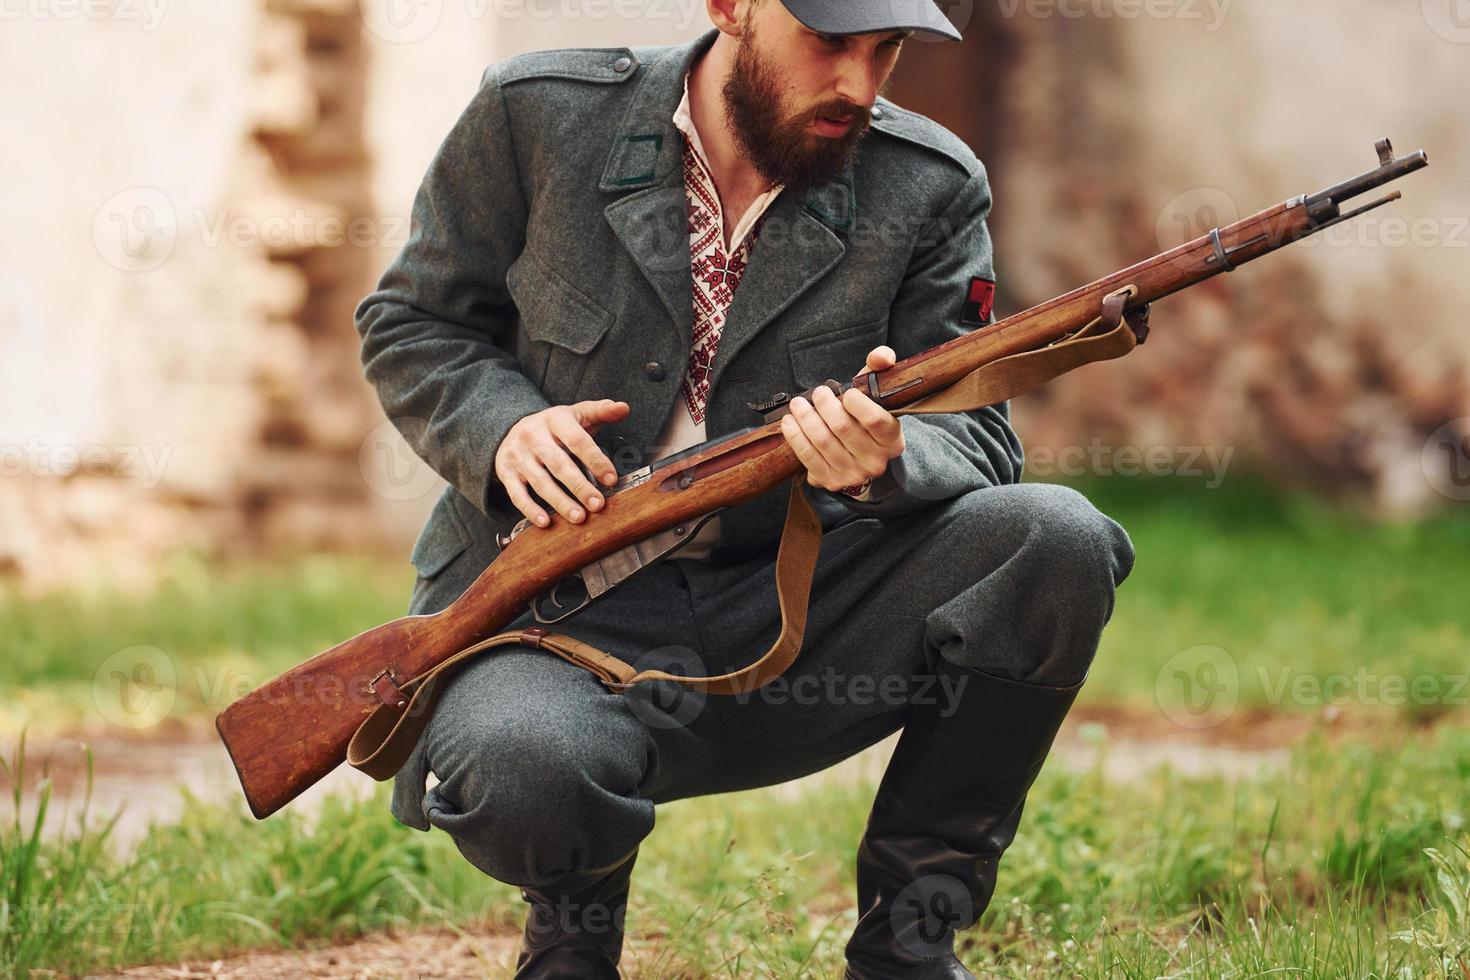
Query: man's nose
point(858, 82)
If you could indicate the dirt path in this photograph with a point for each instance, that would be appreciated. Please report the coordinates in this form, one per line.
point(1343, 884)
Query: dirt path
point(146, 776)
point(439, 955)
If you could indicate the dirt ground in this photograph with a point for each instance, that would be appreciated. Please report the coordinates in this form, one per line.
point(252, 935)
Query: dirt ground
point(144, 775)
point(438, 955)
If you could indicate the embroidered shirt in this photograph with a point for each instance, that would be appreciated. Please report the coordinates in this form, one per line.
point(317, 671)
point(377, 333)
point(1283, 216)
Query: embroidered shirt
point(716, 267)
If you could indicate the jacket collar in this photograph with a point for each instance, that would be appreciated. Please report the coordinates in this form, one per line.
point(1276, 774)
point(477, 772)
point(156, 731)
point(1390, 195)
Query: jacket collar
point(645, 169)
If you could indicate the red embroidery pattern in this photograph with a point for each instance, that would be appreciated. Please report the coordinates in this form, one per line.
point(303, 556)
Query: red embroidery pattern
point(715, 276)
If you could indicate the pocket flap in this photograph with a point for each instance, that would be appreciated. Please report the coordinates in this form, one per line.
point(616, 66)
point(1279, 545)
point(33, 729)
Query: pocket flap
point(552, 309)
point(838, 354)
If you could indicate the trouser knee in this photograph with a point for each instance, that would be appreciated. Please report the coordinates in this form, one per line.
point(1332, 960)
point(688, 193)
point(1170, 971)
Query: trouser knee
point(1047, 565)
point(530, 805)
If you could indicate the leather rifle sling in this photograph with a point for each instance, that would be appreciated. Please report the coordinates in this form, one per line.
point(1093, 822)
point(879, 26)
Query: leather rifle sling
point(386, 738)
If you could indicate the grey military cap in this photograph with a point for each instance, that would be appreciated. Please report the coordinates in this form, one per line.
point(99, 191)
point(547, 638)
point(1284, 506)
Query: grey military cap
point(862, 16)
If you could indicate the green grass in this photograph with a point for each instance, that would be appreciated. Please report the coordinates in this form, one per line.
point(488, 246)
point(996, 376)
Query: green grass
point(1310, 605)
point(1350, 861)
point(218, 631)
point(1313, 605)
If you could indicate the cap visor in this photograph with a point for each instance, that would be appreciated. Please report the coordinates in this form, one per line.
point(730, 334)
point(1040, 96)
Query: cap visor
point(847, 17)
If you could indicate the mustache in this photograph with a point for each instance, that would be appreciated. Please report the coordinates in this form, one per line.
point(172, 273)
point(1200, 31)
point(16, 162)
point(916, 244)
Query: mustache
point(843, 110)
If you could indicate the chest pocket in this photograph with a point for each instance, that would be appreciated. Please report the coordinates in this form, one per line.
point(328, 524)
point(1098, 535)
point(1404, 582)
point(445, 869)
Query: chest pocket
point(838, 354)
point(562, 327)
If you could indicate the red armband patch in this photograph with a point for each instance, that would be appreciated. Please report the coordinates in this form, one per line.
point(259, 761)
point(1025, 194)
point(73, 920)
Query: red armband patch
point(979, 301)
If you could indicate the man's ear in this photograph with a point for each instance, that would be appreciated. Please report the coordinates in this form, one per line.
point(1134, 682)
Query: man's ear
point(728, 15)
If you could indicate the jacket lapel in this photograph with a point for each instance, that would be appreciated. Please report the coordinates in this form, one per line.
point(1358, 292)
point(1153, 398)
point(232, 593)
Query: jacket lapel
point(646, 166)
point(801, 239)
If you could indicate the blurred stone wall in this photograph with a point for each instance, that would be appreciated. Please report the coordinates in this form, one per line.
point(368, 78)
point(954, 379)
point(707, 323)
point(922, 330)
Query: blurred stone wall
point(1115, 129)
point(202, 193)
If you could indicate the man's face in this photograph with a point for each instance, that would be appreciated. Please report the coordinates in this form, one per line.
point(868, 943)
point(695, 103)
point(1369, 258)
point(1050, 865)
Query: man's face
point(800, 101)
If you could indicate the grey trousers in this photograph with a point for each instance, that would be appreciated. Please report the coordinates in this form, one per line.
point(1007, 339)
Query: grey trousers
point(543, 771)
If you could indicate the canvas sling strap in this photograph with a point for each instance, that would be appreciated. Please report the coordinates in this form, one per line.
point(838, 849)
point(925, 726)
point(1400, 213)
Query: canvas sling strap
point(386, 738)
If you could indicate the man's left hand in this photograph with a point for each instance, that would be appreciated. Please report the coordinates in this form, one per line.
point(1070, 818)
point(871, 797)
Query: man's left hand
point(844, 441)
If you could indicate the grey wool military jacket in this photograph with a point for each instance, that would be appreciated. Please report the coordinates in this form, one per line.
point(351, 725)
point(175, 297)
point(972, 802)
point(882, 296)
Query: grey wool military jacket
point(548, 263)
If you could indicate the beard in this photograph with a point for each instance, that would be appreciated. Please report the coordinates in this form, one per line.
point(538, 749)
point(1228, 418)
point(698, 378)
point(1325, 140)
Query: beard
point(785, 150)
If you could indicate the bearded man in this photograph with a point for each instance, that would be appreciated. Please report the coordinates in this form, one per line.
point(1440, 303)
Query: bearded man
point(615, 253)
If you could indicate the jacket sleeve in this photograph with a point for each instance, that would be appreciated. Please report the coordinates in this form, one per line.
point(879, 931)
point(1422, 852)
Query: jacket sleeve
point(436, 332)
point(945, 454)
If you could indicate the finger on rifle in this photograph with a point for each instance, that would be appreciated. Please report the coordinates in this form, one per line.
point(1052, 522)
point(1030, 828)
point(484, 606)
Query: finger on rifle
point(545, 457)
point(881, 425)
point(566, 470)
point(879, 358)
point(816, 466)
point(515, 488)
point(852, 438)
point(579, 441)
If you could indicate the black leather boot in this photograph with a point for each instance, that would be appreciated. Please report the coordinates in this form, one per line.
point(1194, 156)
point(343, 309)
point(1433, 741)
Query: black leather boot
point(947, 808)
point(574, 929)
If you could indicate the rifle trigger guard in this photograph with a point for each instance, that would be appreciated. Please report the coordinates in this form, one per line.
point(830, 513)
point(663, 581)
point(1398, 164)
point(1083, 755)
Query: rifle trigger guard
point(552, 597)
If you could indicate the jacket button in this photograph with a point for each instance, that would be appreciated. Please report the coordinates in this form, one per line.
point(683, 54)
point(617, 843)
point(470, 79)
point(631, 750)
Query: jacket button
point(654, 370)
point(623, 64)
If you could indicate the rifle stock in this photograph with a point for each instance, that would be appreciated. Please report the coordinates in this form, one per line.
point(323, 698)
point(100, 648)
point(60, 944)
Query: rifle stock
point(289, 733)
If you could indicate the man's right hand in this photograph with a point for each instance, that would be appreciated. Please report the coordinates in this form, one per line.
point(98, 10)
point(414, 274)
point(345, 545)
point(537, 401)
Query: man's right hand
point(534, 455)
